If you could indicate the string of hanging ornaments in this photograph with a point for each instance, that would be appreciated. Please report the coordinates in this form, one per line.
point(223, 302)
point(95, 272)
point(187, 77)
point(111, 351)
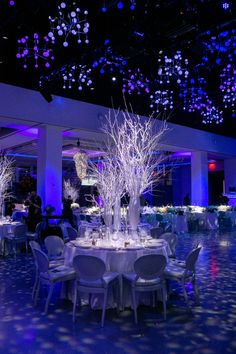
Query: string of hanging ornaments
point(211, 114)
point(134, 82)
point(109, 63)
point(76, 75)
point(33, 49)
point(170, 71)
point(228, 86)
point(193, 95)
point(71, 21)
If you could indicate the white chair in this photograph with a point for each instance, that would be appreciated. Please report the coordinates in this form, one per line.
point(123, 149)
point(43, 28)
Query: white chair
point(18, 236)
point(50, 276)
point(35, 245)
point(171, 239)
point(156, 232)
point(35, 236)
point(54, 246)
point(183, 271)
point(72, 233)
point(92, 278)
point(52, 264)
point(147, 277)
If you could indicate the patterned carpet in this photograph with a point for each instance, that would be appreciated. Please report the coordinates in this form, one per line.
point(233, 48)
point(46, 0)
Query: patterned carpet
point(208, 329)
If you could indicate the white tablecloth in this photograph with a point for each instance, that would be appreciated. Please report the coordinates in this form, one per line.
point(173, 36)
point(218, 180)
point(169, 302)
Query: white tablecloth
point(120, 261)
point(5, 228)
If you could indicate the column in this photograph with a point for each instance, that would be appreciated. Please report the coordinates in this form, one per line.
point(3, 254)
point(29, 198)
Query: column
point(230, 175)
point(230, 180)
point(199, 178)
point(49, 166)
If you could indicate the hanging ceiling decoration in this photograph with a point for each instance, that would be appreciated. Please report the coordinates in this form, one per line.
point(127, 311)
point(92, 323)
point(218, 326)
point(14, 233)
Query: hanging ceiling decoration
point(228, 86)
point(173, 69)
point(193, 95)
point(134, 82)
point(141, 57)
point(81, 164)
point(119, 4)
point(162, 99)
point(70, 21)
point(33, 49)
point(76, 75)
point(211, 114)
point(110, 63)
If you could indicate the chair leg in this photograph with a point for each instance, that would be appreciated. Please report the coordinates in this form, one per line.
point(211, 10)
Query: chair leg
point(196, 291)
point(35, 285)
point(120, 283)
point(185, 293)
point(164, 300)
point(134, 306)
point(37, 293)
point(104, 306)
point(49, 298)
point(74, 304)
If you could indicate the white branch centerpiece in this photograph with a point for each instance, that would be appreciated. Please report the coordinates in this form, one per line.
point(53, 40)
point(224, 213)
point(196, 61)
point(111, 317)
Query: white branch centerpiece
point(6, 176)
point(136, 143)
point(110, 185)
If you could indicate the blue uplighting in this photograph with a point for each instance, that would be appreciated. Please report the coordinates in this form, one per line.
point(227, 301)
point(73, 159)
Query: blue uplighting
point(120, 5)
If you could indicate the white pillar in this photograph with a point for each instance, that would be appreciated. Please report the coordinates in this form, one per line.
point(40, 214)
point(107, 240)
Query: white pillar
point(49, 166)
point(230, 174)
point(199, 178)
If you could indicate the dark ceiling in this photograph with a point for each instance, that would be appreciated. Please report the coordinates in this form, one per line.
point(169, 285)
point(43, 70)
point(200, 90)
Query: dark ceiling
point(136, 36)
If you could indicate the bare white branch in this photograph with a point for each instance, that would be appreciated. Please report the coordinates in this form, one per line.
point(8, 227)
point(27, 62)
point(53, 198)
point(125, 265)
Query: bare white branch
point(136, 145)
point(6, 176)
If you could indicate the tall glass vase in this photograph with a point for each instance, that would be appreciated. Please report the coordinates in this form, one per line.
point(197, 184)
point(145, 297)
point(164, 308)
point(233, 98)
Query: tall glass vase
point(107, 216)
point(117, 216)
point(134, 212)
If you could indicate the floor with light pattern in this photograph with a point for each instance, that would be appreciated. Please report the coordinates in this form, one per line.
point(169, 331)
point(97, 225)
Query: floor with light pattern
point(208, 329)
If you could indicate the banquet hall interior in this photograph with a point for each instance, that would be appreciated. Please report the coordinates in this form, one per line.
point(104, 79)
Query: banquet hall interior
point(117, 176)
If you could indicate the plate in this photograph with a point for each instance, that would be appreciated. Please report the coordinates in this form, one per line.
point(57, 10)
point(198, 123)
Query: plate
point(133, 248)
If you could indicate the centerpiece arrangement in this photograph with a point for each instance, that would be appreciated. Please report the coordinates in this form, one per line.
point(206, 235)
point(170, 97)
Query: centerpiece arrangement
point(6, 176)
point(131, 165)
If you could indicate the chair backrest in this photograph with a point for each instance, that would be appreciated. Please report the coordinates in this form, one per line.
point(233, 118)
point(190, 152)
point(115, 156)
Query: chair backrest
point(72, 233)
point(41, 260)
point(89, 268)
point(156, 232)
point(150, 266)
point(35, 245)
point(171, 238)
point(38, 228)
point(54, 245)
point(192, 259)
point(20, 231)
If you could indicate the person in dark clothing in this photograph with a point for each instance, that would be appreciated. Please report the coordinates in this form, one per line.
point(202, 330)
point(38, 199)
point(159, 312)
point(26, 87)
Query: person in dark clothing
point(186, 200)
point(67, 211)
point(34, 204)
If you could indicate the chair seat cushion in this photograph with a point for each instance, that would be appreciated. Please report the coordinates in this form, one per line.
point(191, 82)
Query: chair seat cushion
point(32, 235)
point(100, 283)
point(60, 273)
point(178, 263)
point(175, 271)
point(56, 263)
point(140, 282)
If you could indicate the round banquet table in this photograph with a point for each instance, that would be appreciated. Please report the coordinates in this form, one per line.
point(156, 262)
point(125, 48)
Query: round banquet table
point(5, 228)
point(116, 260)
